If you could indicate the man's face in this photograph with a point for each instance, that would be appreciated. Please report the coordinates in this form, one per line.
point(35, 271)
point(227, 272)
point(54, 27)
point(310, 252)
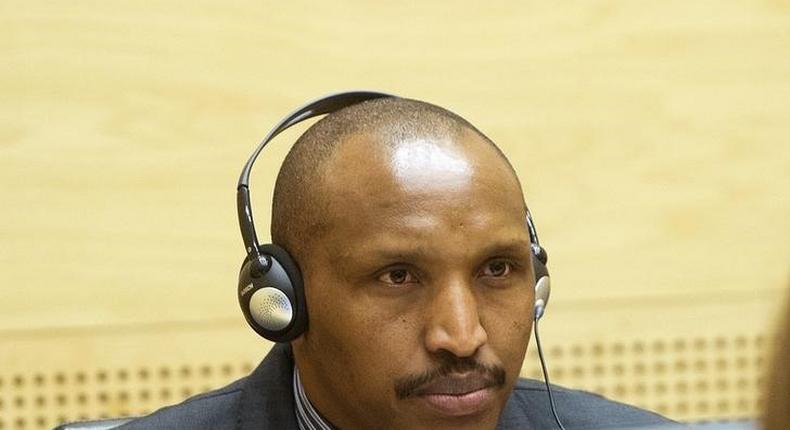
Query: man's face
point(420, 294)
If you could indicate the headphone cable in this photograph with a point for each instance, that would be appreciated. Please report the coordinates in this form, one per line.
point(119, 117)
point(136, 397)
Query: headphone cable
point(546, 377)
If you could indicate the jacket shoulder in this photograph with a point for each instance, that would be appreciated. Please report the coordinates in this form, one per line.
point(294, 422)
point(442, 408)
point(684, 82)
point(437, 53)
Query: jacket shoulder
point(576, 409)
point(210, 410)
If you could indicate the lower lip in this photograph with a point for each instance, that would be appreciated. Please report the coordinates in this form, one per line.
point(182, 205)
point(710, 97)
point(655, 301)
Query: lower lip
point(459, 405)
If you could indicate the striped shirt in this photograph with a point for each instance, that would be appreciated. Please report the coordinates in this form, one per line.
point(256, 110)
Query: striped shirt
point(306, 416)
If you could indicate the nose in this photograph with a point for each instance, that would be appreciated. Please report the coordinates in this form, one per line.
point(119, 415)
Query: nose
point(453, 321)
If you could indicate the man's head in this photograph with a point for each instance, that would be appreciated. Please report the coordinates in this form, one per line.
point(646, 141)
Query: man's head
point(408, 225)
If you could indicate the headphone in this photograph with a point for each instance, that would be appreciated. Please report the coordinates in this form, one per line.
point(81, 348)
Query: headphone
point(271, 290)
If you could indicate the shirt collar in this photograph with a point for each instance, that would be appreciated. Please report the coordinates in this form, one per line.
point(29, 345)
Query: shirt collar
point(307, 417)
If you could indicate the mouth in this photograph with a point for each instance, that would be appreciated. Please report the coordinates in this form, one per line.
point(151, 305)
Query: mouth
point(457, 395)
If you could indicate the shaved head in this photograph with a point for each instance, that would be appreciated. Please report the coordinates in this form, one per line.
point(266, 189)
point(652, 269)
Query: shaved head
point(299, 203)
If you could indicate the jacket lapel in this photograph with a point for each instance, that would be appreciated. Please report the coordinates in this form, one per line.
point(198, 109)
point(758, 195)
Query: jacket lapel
point(267, 400)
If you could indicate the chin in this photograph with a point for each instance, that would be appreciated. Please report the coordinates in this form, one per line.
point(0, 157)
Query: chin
point(471, 422)
point(479, 411)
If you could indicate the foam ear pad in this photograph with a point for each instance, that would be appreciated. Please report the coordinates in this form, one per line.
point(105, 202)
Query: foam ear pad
point(273, 302)
point(542, 282)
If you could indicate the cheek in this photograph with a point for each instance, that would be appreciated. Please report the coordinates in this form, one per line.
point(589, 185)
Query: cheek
point(361, 341)
point(508, 324)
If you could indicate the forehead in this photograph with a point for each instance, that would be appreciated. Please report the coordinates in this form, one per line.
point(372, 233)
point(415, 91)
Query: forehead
point(371, 186)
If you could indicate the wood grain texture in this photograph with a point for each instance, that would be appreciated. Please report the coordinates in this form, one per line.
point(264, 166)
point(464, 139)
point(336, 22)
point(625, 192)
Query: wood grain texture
point(651, 139)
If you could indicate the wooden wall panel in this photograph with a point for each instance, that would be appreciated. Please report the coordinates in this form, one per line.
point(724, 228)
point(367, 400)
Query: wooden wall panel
point(652, 141)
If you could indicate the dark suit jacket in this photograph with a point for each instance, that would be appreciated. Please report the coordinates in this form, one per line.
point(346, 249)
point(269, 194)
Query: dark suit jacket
point(264, 400)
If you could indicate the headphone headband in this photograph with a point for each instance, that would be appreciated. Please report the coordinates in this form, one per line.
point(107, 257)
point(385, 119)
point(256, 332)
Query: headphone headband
point(324, 105)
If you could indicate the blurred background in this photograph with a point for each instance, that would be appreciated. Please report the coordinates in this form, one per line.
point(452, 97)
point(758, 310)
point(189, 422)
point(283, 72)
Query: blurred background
point(651, 139)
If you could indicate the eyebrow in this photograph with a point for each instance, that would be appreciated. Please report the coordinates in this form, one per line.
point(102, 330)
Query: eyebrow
point(414, 253)
point(508, 247)
point(516, 246)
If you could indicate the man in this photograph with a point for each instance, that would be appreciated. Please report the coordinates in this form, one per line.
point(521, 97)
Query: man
point(777, 399)
point(408, 226)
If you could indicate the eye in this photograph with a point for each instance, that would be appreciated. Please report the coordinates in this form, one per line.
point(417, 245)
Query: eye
point(397, 277)
point(497, 269)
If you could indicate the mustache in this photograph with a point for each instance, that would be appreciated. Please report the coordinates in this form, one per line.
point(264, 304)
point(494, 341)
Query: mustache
point(408, 386)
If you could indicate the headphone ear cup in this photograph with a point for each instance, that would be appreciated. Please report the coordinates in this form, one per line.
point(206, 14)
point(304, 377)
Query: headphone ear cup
point(273, 302)
point(542, 282)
